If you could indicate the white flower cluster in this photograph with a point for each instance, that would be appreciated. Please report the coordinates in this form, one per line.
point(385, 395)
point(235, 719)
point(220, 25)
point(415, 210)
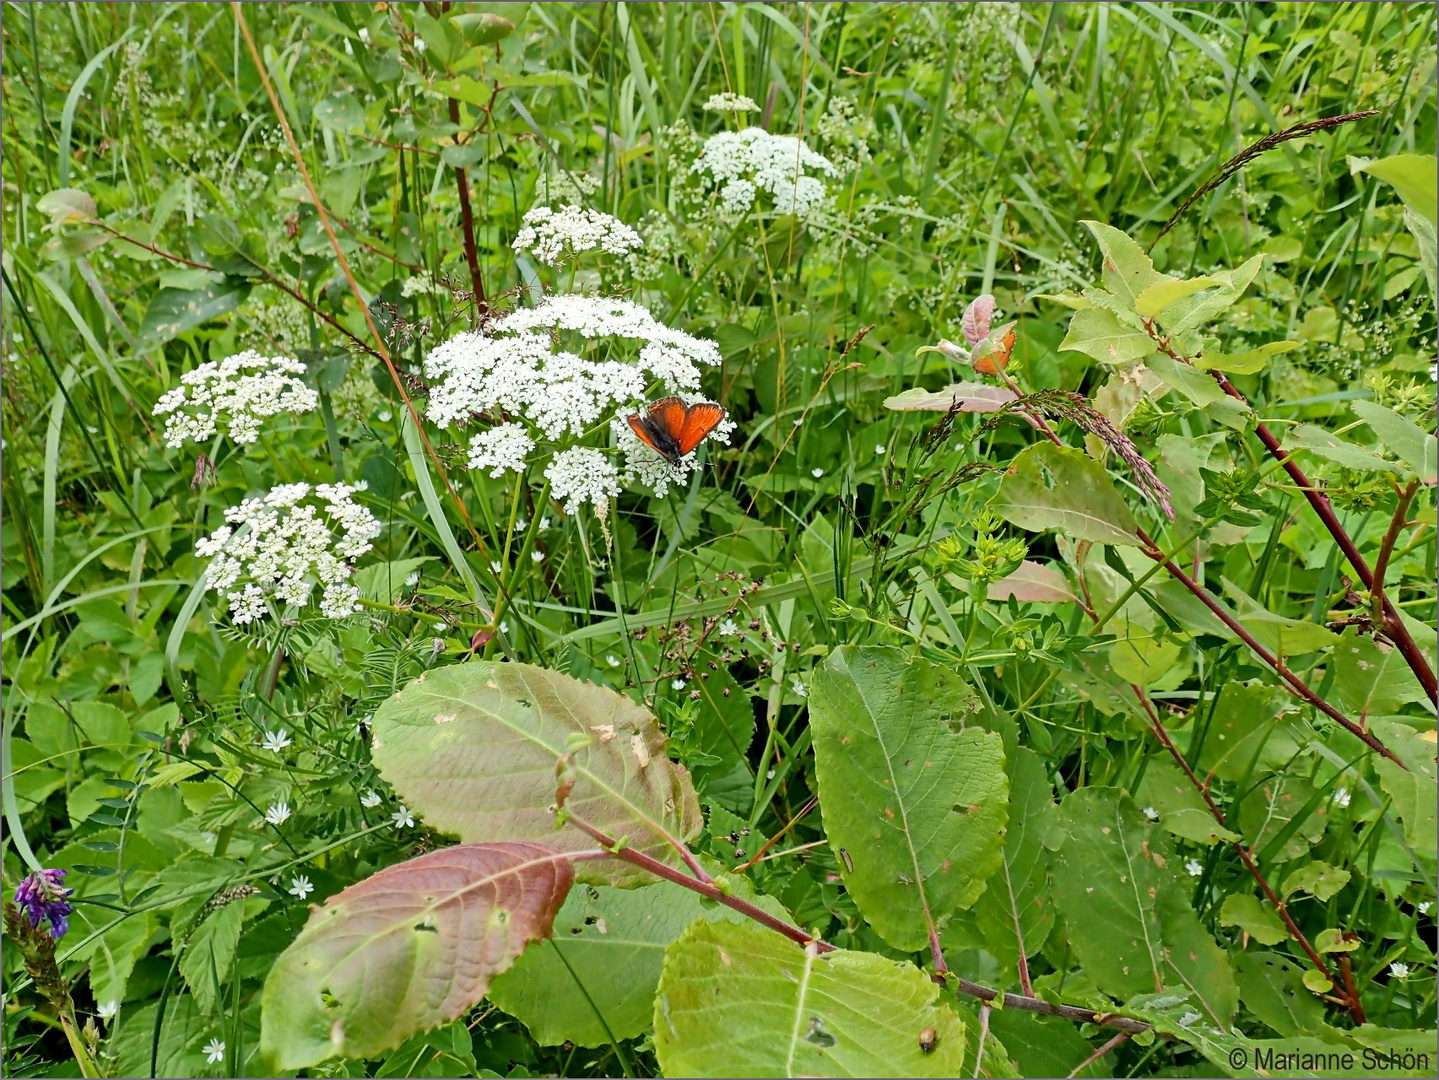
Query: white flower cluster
point(517, 369)
point(240, 390)
point(735, 103)
point(582, 474)
point(746, 163)
point(555, 234)
point(501, 449)
point(643, 464)
point(278, 547)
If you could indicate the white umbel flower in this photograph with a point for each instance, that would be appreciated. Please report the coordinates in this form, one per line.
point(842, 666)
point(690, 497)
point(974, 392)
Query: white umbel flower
point(279, 547)
point(501, 449)
point(735, 103)
point(742, 164)
point(582, 475)
point(555, 235)
point(239, 392)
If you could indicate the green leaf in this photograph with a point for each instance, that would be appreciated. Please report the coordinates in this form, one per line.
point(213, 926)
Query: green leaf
point(1428, 245)
point(1413, 791)
point(1202, 390)
point(445, 1052)
point(386, 581)
point(1272, 988)
point(475, 747)
point(724, 728)
point(67, 205)
point(738, 1000)
point(1043, 1045)
point(1100, 334)
point(406, 949)
point(1182, 810)
point(1107, 884)
point(1250, 915)
point(914, 797)
point(173, 311)
point(1150, 303)
point(1055, 487)
point(1316, 440)
point(1332, 940)
point(1017, 906)
point(208, 954)
point(494, 23)
point(1319, 879)
point(1127, 270)
point(1270, 809)
point(1410, 443)
point(1372, 680)
point(1246, 721)
point(1415, 178)
point(1244, 363)
point(1194, 311)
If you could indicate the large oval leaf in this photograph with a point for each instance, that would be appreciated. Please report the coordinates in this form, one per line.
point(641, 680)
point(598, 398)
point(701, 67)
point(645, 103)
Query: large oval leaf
point(407, 949)
point(474, 749)
point(737, 1000)
point(915, 800)
point(1055, 487)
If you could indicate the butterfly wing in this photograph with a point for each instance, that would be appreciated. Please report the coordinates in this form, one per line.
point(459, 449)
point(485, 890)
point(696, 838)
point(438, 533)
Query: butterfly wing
point(700, 419)
point(660, 427)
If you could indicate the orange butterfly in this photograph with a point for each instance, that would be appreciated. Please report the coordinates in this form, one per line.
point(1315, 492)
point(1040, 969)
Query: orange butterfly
point(672, 429)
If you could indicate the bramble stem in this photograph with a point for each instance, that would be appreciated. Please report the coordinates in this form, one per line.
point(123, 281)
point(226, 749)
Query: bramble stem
point(1377, 599)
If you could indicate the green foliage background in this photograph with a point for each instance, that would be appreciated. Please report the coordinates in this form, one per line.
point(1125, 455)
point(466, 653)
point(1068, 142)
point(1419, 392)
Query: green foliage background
point(836, 556)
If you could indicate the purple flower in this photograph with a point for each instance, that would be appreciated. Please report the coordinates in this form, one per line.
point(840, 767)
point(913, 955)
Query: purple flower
point(43, 896)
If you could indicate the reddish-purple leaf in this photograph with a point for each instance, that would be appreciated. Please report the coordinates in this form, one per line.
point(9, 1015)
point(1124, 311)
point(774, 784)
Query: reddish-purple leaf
point(1033, 583)
point(408, 949)
point(977, 316)
point(971, 397)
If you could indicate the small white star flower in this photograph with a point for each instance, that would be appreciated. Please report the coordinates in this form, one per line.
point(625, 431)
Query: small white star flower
point(521, 525)
point(1398, 970)
point(537, 556)
point(544, 523)
point(1151, 813)
point(677, 684)
point(278, 813)
point(300, 886)
point(496, 566)
point(214, 1052)
point(880, 450)
point(798, 687)
point(412, 580)
point(612, 660)
point(402, 818)
point(1424, 907)
point(1342, 797)
point(370, 799)
point(816, 472)
point(1194, 868)
point(108, 1010)
point(728, 628)
point(275, 741)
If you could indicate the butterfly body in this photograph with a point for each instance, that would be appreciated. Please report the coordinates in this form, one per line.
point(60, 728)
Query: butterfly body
point(673, 429)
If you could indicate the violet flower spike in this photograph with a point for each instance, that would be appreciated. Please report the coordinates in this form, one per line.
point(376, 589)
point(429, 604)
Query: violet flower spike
point(43, 896)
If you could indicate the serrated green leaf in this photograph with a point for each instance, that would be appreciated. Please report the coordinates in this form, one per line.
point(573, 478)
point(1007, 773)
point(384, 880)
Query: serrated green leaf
point(1413, 789)
point(1317, 878)
point(210, 951)
point(1371, 680)
point(724, 728)
point(1244, 363)
point(407, 949)
point(1316, 440)
point(474, 749)
point(1246, 721)
point(1153, 300)
point(915, 796)
point(1415, 178)
point(1405, 439)
point(1194, 311)
point(173, 311)
point(1099, 334)
point(1054, 487)
point(1127, 270)
point(738, 1000)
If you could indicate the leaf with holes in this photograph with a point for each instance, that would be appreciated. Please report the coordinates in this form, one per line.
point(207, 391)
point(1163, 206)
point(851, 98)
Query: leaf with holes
point(1055, 487)
point(915, 796)
point(407, 949)
point(737, 1000)
point(474, 749)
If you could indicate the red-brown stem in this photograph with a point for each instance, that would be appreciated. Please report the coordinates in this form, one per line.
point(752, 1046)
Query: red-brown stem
point(1297, 685)
point(1393, 625)
point(1106, 1048)
point(1162, 734)
point(801, 937)
point(1377, 599)
point(1346, 972)
point(467, 222)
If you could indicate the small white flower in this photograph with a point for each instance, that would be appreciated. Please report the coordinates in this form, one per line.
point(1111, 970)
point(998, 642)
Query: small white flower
point(1424, 907)
point(239, 392)
point(278, 813)
point(412, 580)
point(214, 1052)
point(880, 450)
point(520, 526)
point(735, 103)
point(797, 685)
point(1342, 797)
point(769, 775)
point(612, 660)
point(386, 416)
point(553, 235)
point(1398, 970)
point(370, 799)
point(420, 45)
point(1151, 813)
point(365, 37)
point(728, 628)
point(275, 741)
point(108, 1009)
point(816, 472)
point(582, 475)
point(501, 449)
point(496, 566)
point(402, 818)
point(544, 523)
point(504, 627)
point(300, 886)
point(537, 556)
point(1194, 867)
point(677, 684)
point(744, 164)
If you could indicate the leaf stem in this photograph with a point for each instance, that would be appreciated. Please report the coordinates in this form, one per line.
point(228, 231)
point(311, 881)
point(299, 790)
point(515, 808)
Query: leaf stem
point(1378, 600)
